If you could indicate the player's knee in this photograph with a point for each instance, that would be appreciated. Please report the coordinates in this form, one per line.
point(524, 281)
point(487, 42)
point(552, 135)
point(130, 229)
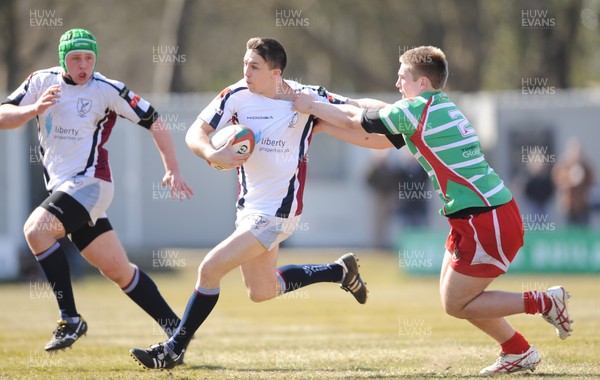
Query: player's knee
point(208, 272)
point(453, 309)
point(37, 231)
point(29, 231)
point(256, 295)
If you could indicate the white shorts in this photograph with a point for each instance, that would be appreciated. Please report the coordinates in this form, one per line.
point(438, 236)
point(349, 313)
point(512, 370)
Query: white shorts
point(269, 230)
point(92, 193)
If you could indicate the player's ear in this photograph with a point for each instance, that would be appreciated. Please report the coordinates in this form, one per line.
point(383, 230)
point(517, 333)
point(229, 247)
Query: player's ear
point(425, 82)
point(276, 72)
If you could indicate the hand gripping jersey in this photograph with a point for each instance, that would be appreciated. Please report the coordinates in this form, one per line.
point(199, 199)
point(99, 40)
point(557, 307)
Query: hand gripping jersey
point(446, 145)
point(72, 133)
point(272, 180)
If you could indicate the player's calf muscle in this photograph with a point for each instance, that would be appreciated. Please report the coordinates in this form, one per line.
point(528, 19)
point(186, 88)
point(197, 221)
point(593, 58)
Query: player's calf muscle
point(117, 273)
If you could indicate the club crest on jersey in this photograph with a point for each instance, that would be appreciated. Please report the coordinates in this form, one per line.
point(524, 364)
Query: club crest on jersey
point(293, 121)
point(83, 106)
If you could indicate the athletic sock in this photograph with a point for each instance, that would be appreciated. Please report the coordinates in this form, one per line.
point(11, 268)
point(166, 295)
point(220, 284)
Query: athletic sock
point(199, 307)
point(293, 277)
point(536, 301)
point(515, 345)
point(56, 268)
point(144, 292)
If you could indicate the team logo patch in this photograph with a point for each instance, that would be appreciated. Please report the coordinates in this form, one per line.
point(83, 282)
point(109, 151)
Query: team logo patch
point(76, 182)
point(260, 222)
point(134, 100)
point(83, 106)
point(48, 124)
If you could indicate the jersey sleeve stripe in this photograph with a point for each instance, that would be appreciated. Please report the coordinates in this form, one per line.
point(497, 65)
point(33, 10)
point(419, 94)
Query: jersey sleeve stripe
point(390, 126)
point(410, 116)
point(147, 117)
point(214, 122)
point(395, 118)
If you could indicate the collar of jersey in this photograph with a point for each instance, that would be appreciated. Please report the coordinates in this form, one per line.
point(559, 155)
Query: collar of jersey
point(69, 80)
point(429, 94)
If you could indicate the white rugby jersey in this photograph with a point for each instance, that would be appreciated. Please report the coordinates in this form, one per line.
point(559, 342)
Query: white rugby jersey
point(272, 180)
point(72, 132)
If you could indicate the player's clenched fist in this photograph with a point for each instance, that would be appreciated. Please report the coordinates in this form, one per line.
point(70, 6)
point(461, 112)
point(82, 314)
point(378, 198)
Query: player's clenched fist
point(303, 103)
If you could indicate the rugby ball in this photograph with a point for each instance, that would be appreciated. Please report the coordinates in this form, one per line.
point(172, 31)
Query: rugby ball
point(243, 140)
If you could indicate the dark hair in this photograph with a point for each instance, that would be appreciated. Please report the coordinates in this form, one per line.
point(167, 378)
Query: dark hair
point(427, 61)
point(270, 50)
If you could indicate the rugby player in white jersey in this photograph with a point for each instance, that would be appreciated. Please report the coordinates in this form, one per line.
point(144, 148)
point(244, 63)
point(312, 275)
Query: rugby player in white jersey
point(271, 183)
point(486, 230)
point(75, 109)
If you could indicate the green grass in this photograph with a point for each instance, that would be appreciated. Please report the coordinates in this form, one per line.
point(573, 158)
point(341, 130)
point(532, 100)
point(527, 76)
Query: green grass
point(318, 332)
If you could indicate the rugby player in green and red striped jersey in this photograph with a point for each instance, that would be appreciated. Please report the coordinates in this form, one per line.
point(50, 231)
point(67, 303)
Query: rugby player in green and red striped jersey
point(486, 230)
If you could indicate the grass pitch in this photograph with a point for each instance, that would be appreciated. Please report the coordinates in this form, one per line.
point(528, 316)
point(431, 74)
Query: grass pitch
point(317, 332)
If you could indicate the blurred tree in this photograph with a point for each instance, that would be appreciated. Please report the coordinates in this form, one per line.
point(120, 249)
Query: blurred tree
point(349, 46)
point(170, 41)
point(8, 48)
point(547, 52)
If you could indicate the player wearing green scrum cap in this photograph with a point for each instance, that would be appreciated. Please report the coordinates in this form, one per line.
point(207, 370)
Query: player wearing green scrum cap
point(76, 41)
point(75, 109)
point(78, 54)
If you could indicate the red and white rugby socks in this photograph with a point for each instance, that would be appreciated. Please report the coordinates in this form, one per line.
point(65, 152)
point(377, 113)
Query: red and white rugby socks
point(515, 345)
point(536, 301)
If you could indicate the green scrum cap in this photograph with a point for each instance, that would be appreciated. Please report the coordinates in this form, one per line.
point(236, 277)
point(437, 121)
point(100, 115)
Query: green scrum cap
point(76, 40)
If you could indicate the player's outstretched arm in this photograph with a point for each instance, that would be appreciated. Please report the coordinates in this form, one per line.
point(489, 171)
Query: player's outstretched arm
point(172, 178)
point(12, 116)
point(343, 115)
point(367, 103)
point(358, 137)
point(198, 140)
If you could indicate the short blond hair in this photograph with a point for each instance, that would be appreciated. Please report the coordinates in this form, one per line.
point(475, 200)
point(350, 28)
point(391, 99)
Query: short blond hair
point(427, 61)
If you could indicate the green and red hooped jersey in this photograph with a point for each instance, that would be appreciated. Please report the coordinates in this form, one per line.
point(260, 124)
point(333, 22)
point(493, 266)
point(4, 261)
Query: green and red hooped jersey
point(447, 147)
